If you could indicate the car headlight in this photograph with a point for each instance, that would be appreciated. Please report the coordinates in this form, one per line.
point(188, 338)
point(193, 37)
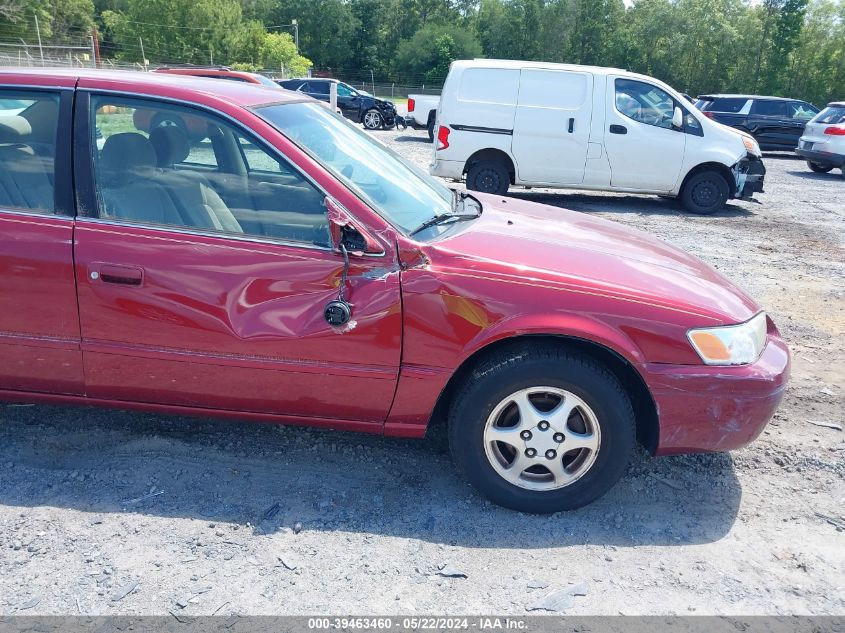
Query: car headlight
point(751, 145)
point(731, 344)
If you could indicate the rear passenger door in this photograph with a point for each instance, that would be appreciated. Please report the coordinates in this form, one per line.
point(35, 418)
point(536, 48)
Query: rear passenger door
point(771, 125)
point(551, 129)
point(39, 326)
point(205, 268)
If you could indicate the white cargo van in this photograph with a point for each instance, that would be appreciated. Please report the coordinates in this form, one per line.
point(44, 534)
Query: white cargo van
point(505, 123)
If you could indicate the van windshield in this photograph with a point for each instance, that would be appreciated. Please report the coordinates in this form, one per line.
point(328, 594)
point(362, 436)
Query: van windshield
point(403, 194)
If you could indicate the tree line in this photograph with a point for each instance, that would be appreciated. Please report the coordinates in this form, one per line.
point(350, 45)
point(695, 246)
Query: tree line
point(782, 47)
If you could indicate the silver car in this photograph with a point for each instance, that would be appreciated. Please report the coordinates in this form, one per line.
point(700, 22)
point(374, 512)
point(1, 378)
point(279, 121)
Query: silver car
point(823, 142)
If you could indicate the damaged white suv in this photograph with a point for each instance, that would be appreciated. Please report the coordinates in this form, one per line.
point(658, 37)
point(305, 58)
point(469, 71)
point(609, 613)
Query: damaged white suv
point(505, 123)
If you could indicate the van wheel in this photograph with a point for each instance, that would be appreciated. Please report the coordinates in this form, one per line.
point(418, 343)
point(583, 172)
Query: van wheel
point(541, 430)
point(704, 193)
point(819, 169)
point(488, 176)
point(430, 127)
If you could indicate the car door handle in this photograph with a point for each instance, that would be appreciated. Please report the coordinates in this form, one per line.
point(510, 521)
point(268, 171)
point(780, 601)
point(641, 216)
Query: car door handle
point(618, 129)
point(571, 125)
point(117, 274)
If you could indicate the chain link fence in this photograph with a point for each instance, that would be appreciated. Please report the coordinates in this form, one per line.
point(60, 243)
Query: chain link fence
point(32, 55)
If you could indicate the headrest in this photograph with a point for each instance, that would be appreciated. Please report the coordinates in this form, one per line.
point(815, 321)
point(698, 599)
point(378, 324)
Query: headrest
point(13, 128)
point(127, 151)
point(171, 145)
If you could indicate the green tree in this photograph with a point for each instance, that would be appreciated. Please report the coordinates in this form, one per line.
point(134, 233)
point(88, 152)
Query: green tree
point(427, 55)
point(278, 51)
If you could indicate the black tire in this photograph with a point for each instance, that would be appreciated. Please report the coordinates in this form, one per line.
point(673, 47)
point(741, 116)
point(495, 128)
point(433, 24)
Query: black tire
point(819, 169)
point(488, 176)
point(430, 127)
point(520, 368)
point(373, 119)
point(705, 192)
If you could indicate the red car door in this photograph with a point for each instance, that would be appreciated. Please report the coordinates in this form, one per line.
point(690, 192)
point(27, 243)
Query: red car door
point(204, 276)
point(39, 324)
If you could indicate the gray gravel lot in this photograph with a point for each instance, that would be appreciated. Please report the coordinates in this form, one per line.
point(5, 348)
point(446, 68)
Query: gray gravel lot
point(110, 512)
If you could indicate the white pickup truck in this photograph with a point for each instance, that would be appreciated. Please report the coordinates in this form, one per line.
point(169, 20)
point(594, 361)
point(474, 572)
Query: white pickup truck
point(422, 112)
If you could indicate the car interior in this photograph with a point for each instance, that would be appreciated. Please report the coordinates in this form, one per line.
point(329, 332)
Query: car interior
point(27, 150)
point(222, 181)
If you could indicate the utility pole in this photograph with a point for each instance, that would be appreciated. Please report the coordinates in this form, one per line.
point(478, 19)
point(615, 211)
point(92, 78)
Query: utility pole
point(38, 30)
point(95, 46)
point(295, 26)
point(373, 81)
point(143, 55)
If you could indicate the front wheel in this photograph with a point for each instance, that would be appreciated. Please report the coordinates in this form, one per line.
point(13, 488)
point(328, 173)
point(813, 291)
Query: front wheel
point(540, 430)
point(704, 193)
point(430, 127)
point(819, 169)
point(373, 120)
point(488, 176)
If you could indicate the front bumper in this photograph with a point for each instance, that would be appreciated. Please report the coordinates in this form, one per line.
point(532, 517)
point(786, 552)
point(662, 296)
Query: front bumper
point(749, 174)
point(705, 408)
point(826, 159)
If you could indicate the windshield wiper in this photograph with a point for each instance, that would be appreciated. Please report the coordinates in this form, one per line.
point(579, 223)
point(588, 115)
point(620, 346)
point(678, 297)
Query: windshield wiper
point(443, 217)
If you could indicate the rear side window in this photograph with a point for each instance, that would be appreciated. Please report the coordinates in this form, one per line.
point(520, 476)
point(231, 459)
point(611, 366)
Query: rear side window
point(28, 126)
point(489, 85)
point(730, 105)
point(318, 87)
point(552, 89)
point(831, 114)
point(770, 108)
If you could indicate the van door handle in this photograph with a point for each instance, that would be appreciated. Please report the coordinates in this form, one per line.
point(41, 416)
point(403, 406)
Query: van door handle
point(571, 125)
point(117, 274)
point(618, 129)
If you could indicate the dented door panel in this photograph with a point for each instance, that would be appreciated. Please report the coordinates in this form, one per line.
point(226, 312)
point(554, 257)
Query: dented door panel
point(222, 323)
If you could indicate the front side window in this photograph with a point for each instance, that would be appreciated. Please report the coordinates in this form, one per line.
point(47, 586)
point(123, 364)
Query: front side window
point(28, 128)
point(644, 103)
point(801, 111)
point(401, 193)
point(344, 91)
point(174, 166)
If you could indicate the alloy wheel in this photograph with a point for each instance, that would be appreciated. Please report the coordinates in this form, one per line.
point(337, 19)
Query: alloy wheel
point(542, 438)
point(372, 120)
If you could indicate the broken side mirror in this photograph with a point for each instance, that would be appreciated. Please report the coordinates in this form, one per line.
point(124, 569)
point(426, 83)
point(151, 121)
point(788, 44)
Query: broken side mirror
point(348, 233)
point(678, 118)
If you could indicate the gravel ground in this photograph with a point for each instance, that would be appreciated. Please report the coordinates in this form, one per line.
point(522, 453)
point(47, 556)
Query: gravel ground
point(105, 512)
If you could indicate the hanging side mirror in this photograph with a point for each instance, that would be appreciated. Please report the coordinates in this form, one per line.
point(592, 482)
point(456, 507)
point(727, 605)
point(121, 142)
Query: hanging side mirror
point(347, 233)
point(678, 118)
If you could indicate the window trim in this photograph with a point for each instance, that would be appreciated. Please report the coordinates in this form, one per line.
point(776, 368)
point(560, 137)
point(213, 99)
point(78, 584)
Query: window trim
point(85, 180)
point(63, 199)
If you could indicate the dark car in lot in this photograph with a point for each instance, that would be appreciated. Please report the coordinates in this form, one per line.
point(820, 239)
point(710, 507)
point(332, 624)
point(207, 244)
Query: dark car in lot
point(776, 122)
point(356, 105)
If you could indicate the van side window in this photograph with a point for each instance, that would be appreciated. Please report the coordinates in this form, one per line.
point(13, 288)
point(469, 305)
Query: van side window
point(28, 124)
point(644, 103)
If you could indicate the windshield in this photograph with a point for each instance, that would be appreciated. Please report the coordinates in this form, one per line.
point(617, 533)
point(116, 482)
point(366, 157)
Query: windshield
point(831, 114)
point(403, 194)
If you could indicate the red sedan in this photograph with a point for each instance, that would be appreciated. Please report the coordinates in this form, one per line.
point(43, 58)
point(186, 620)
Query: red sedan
point(285, 267)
